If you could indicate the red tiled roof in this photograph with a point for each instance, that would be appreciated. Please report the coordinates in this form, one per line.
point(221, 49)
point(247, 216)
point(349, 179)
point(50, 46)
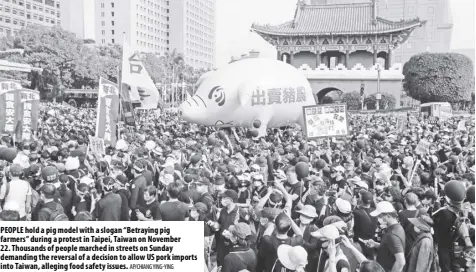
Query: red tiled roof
point(335, 20)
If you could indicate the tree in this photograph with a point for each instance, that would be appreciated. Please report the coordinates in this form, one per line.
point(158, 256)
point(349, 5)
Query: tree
point(53, 49)
point(439, 77)
point(352, 100)
point(327, 100)
point(388, 101)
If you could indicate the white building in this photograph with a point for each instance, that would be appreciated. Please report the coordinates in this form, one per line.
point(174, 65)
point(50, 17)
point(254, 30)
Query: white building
point(193, 31)
point(143, 23)
point(15, 14)
point(78, 16)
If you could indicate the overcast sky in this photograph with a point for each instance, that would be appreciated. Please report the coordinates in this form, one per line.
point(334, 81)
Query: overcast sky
point(234, 18)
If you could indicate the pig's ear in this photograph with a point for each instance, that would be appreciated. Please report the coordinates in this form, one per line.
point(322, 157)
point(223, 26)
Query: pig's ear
point(245, 91)
point(202, 78)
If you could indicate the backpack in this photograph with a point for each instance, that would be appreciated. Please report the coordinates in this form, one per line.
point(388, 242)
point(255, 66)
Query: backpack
point(435, 263)
point(56, 215)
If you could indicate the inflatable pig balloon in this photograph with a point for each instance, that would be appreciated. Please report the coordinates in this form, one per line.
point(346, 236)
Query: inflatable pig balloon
point(248, 92)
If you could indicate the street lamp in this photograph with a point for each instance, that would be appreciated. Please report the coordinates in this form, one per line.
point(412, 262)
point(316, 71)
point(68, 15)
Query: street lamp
point(379, 96)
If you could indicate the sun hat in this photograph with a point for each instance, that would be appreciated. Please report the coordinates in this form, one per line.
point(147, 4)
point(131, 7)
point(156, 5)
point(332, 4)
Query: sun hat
point(292, 257)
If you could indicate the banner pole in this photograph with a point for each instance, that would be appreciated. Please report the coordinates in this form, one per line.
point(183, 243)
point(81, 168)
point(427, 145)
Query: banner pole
point(119, 86)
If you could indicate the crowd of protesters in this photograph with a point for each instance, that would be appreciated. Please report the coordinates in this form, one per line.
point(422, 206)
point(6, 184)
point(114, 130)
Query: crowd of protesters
point(372, 201)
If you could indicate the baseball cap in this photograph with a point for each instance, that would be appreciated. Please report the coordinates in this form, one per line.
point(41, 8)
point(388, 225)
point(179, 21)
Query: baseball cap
point(343, 206)
point(383, 207)
point(329, 232)
point(49, 174)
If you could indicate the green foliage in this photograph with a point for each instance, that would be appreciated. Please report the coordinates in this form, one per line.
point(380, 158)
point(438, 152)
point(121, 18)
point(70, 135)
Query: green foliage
point(327, 100)
point(352, 100)
point(388, 101)
point(439, 77)
point(69, 62)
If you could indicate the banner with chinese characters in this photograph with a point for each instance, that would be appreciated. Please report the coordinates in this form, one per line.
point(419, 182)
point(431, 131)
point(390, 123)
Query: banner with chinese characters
point(19, 110)
point(108, 111)
point(325, 121)
point(96, 146)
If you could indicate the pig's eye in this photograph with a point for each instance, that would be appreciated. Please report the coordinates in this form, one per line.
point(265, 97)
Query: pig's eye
point(217, 94)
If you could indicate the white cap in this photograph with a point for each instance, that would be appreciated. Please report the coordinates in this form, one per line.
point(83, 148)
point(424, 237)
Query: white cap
point(72, 163)
point(383, 207)
point(329, 232)
point(150, 145)
point(343, 205)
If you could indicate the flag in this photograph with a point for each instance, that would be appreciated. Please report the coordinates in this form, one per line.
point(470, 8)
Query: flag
point(108, 111)
point(135, 75)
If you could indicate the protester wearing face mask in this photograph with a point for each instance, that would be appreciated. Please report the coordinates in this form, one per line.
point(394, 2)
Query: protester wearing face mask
point(229, 215)
point(331, 258)
point(306, 224)
point(391, 250)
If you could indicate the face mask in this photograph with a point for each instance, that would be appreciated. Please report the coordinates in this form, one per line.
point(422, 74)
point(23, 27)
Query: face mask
point(305, 220)
point(194, 214)
point(257, 184)
point(224, 202)
point(382, 222)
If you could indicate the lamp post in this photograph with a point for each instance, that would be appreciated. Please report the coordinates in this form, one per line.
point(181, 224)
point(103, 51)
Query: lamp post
point(379, 96)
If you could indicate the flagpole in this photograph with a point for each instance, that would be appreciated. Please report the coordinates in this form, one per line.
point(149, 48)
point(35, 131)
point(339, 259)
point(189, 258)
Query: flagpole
point(119, 86)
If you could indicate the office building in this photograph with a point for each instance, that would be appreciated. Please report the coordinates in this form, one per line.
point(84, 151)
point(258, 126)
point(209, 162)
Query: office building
point(142, 23)
point(433, 36)
point(15, 14)
point(78, 16)
point(193, 30)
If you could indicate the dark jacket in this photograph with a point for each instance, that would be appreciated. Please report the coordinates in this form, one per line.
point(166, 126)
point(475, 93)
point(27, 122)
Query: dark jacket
point(108, 208)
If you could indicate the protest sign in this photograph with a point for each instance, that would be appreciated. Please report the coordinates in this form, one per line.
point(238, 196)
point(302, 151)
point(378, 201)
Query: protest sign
point(325, 121)
point(433, 120)
point(423, 147)
point(132, 246)
point(96, 145)
point(462, 125)
point(19, 110)
point(402, 124)
point(108, 111)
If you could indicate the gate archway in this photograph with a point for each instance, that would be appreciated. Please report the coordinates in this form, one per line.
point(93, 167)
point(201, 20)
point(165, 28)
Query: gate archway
point(322, 93)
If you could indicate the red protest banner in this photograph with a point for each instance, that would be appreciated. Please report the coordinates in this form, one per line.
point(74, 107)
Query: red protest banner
point(108, 111)
point(19, 110)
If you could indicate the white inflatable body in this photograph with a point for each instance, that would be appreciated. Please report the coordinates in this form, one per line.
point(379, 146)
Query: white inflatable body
point(265, 90)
